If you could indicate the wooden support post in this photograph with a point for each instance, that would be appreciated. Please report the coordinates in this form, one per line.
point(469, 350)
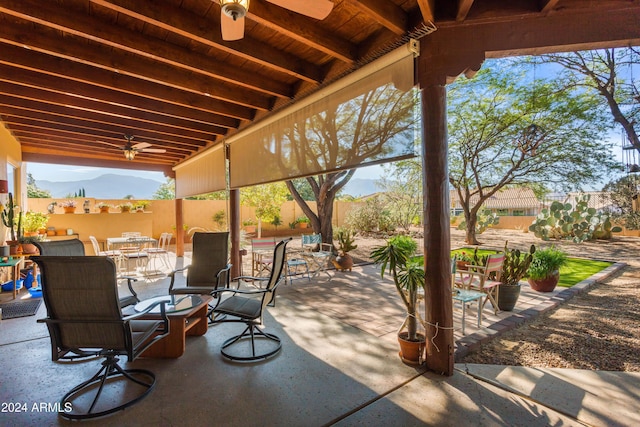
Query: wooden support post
point(437, 235)
point(234, 229)
point(179, 229)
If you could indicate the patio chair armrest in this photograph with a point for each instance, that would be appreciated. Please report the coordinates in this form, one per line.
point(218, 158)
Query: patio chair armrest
point(224, 275)
point(172, 276)
point(130, 281)
point(163, 314)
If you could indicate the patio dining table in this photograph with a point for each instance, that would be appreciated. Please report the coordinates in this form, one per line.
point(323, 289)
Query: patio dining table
point(114, 243)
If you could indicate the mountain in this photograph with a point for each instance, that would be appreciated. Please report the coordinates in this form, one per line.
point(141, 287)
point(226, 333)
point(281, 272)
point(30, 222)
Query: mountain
point(108, 186)
point(358, 187)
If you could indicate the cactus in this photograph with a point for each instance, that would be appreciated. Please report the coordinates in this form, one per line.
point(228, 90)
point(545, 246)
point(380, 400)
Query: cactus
point(563, 221)
point(515, 264)
point(485, 220)
point(9, 220)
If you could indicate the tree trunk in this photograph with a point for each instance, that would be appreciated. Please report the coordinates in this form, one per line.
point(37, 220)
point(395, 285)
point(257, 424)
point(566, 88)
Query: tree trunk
point(471, 219)
point(325, 187)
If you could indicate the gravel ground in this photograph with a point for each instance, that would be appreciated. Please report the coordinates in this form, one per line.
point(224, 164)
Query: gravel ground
point(598, 330)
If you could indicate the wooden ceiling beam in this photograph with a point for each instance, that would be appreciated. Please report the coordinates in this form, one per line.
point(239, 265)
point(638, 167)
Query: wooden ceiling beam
point(73, 49)
point(60, 115)
point(463, 9)
point(302, 29)
point(76, 72)
point(547, 6)
point(81, 128)
point(32, 79)
point(52, 156)
point(72, 106)
point(40, 143)
point(63, 19)
point(385, 13)
point(207, 32)
point(70, 142)
point(427, 9)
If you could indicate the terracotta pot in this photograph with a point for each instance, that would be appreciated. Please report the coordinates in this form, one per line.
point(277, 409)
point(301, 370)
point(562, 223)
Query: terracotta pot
point(462, 265)
point(29, 248)
point(412, 352)
point(250, 228)
point(69, 209)
point(61, 232)
point(14, 247)
point(548, 284)
point(104, 209)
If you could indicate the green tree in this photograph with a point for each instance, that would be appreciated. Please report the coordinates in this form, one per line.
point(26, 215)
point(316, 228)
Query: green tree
point(33, 192)
point(353, 132)
point(402, 191)
point(625, 206)
point(166, 191)
point(610, 74)
point(505, 130)
point(266, 199)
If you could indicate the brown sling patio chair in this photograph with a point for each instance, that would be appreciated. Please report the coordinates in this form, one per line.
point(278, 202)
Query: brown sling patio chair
point(74, 247)
point(83, 312)
point(209, 268)
point(248, 306)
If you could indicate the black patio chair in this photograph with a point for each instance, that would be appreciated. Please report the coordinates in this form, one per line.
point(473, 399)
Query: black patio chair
point(248, 307)
point(209, 268)
point(83, 311)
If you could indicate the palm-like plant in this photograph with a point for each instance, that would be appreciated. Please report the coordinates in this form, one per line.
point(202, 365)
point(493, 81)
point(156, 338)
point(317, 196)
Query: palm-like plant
point(408, 276)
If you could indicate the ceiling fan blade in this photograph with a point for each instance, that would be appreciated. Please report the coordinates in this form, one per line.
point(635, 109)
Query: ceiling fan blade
point(140, 145)
point(317, 9)
point(119, 147)
point(231, 29)
point(153, 150)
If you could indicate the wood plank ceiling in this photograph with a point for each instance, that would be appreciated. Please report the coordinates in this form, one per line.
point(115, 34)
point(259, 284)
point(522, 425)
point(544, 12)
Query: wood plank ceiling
point(78, 75)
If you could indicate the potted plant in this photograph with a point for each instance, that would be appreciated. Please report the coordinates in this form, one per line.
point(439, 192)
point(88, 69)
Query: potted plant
point(544, 272)
point(34, 222)
point(141, 205)
point(463, 259)
point(69, 206)
point(125, 207)
point(303, 221)
point(12, 219)
point(103, 207)
point(514, 268)
point(408, 278)
point(26, 242)
point(345, 244)
point(249, 225)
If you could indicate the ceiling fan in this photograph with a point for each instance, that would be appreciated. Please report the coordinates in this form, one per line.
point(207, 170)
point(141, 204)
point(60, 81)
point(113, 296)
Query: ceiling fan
point(130, 150)
point(234, 11)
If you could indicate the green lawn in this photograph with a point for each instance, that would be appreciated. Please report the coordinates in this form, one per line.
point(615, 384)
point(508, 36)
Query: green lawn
point(576, 269)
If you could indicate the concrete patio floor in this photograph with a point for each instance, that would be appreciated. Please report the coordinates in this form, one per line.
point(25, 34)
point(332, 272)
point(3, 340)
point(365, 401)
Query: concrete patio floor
point(339, 365)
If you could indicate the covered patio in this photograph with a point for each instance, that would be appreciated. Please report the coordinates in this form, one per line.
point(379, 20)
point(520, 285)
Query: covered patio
point(80, 78)
point(339, 366)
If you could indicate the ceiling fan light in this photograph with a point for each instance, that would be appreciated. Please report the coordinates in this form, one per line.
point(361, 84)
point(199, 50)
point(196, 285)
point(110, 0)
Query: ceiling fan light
point(130, 154)
point(235, 8)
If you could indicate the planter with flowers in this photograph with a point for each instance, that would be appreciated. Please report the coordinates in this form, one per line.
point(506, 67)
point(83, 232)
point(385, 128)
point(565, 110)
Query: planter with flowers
point(125, 207)
point(69, 206)
point(103, 207)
